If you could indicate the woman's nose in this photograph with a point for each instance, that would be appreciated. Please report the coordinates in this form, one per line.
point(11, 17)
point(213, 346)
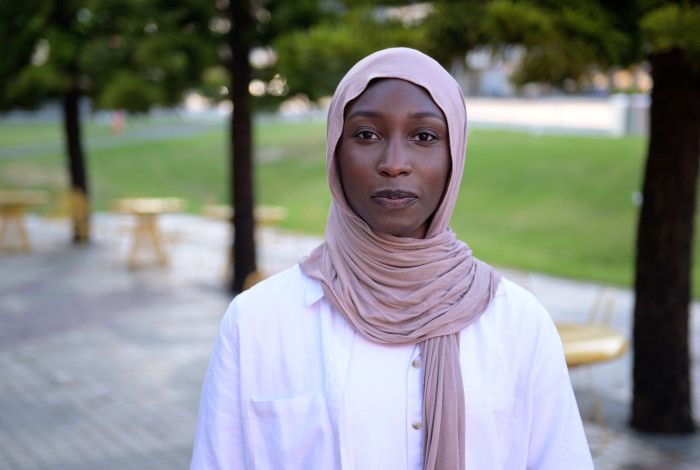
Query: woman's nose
point(394, 160)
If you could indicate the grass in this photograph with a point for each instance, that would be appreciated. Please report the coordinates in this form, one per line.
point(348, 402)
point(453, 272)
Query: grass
point(559, 204)
point(555, 204)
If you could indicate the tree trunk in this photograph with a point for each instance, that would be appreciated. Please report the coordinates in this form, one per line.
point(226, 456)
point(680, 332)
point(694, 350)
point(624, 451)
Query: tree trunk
point(79, 200)
point(662, 395)
point(243, 249)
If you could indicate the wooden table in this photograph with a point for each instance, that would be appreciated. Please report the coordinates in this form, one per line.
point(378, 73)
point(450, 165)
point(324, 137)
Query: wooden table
point(13, 205)
point(146, 231)
point(586, 344)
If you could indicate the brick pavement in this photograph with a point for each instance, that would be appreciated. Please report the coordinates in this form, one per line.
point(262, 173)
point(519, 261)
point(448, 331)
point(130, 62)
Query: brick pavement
point(101, 366)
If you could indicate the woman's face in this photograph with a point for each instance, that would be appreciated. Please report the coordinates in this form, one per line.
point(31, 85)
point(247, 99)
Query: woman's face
point(394, 157)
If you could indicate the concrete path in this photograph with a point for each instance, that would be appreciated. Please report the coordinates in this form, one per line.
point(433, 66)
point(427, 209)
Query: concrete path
point(102, 366)
point(142, 133)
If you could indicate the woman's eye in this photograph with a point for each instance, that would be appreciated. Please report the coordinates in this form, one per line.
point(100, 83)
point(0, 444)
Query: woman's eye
point(425, 136)
point(366, 135)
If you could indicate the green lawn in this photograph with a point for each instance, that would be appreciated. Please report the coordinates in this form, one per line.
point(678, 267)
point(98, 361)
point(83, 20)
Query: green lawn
point(556, 204)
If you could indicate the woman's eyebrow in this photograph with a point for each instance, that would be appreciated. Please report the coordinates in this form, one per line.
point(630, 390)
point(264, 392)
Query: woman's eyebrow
point(426, 114)
point(364, 113)
point(413, 115)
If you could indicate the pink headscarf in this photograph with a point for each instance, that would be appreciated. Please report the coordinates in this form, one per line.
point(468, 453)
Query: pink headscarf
point(395, 290)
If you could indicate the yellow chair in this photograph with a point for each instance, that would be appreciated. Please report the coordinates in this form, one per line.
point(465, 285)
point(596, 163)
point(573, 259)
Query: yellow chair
point(591, 343)
point(13, 205)
point(588, 344)
point(72, 205)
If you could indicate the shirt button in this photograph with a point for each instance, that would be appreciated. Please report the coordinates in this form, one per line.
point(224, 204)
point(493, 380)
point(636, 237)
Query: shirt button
point(417, 425)
point(416, 363)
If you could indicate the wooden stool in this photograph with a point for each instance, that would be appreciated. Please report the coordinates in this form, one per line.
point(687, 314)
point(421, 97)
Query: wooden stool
point(145, 230)
point(13, 205)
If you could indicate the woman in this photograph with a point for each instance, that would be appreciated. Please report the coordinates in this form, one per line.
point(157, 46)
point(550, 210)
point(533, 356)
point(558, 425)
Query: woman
point(390, 346)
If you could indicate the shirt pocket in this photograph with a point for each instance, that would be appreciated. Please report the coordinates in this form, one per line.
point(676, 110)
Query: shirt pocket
point(495, 429)
point(291, 433)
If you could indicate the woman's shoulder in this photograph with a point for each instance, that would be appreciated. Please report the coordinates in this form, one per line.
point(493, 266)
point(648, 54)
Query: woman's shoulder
point(289, 282)
point(516, 328)
point(516, 310)
point(279, 299)
point(515, 296)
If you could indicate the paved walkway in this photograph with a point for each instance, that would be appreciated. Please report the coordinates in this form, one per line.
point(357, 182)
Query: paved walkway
point(101, 366)
point(144, 132)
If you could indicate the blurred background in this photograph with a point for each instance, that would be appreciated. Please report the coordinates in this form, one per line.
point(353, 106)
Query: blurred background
point(156, 159)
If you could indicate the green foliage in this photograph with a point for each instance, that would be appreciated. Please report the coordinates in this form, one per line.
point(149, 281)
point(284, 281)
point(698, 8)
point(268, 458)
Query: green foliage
point(509, 22)
point(172, 61)
point(213, 80)
point(314, 60)
point(130, 92)
point(32, 86)
point(89, 45)
point(278, 17)
point(560, 40)
point(20, 24)
point(454, 28)
point(673, 27)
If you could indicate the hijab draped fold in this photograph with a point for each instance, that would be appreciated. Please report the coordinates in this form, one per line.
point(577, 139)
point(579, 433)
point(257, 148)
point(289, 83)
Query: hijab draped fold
point(395, 290)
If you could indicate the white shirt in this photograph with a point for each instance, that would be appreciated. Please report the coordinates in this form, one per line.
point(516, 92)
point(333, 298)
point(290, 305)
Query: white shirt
point(291, 386)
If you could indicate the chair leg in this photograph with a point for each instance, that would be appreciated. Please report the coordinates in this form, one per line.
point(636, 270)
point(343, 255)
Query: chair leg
point(597, 413)
point(23, 234)
point(136, 243)
point(3, 229)
point(157, 241)
point(9, 217)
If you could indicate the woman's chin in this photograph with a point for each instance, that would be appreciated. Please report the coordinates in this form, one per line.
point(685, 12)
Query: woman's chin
point(400, 231)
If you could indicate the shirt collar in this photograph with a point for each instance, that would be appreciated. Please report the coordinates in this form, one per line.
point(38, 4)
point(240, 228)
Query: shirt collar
point(312, 291)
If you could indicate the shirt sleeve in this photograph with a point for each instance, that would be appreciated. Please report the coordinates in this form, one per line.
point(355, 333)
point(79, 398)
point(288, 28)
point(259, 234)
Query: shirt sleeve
point(557, 438)
point(219, 442)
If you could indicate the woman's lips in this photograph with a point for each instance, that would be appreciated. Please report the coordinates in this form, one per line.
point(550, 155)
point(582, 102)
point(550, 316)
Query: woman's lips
point(392, 199)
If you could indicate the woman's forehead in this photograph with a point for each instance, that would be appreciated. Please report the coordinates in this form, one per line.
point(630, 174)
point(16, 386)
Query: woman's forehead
point(385, 93)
